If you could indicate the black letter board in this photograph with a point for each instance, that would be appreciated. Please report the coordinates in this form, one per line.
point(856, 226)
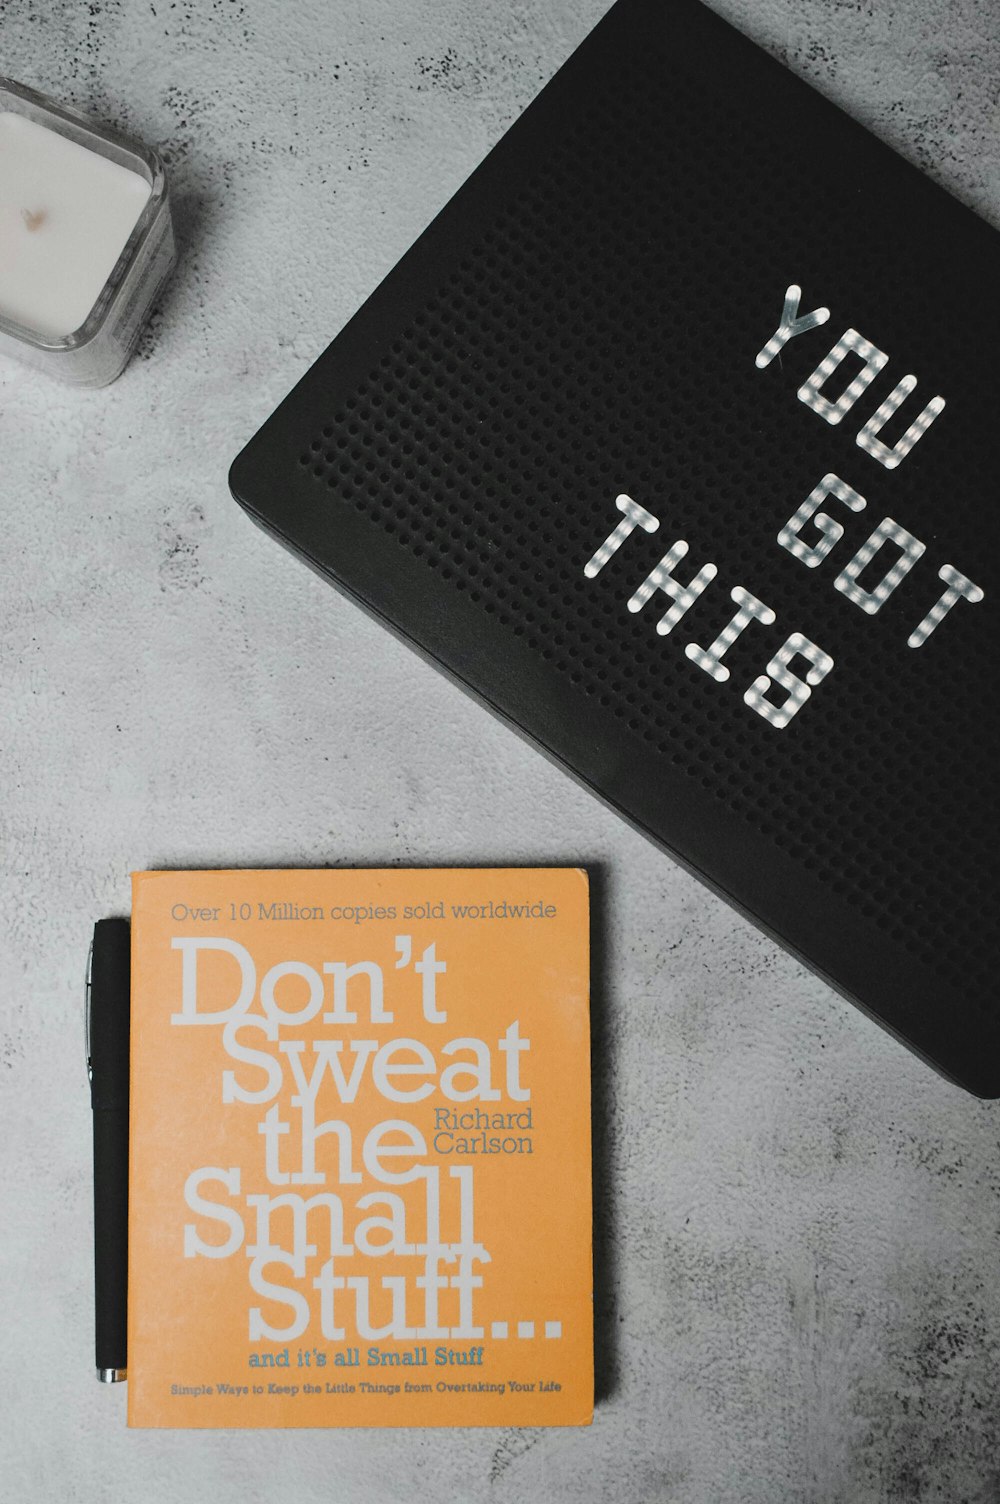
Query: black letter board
point(673, 440)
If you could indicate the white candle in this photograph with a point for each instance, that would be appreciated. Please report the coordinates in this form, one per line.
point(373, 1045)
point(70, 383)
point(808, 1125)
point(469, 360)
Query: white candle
point(66, 214)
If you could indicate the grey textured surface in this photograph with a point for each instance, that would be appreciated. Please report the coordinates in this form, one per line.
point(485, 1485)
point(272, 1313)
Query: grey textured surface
point(800, 1223)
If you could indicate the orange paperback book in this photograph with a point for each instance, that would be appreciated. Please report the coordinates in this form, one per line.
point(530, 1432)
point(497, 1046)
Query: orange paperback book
point(359, 1174)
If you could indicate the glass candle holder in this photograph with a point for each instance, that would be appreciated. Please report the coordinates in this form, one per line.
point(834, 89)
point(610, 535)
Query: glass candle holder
point(86, 239)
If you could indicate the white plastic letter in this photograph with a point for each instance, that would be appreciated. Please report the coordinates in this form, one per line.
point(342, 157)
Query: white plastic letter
point(799, 690)
point(886, 532)
point(662, 578)
point(831, 531)
point(850, 342)
point(790, 326)
point(872, 444)
point(959, 588)
point(750, 609)
point(634, 516)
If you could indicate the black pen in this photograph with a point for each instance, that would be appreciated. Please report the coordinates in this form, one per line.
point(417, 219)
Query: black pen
point(108, 977)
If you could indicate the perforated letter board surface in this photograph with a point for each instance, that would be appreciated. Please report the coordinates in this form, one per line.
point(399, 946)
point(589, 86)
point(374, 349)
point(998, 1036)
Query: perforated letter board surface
point(673, 439)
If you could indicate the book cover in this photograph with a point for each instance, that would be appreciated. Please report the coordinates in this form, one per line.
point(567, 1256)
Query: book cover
point(360, 1166)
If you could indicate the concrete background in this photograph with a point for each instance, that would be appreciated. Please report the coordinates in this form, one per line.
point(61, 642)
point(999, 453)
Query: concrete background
point(800, 1223)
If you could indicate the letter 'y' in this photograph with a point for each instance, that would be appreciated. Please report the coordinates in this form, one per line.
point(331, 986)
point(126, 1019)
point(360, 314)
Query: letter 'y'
point(790, 326)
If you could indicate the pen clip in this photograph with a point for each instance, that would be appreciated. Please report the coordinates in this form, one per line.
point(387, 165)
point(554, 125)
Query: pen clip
point(86, 1011)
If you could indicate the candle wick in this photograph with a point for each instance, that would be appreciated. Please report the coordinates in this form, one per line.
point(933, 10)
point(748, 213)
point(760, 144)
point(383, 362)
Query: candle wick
point(34, 219)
